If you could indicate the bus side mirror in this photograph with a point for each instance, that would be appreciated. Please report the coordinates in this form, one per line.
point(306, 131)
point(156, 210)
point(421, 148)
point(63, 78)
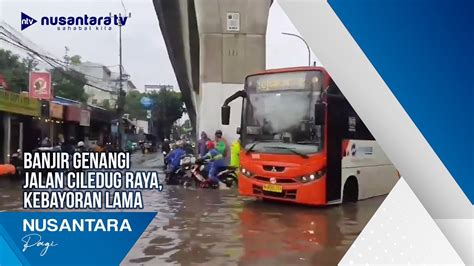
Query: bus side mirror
point(319, 114)
point(225, 114)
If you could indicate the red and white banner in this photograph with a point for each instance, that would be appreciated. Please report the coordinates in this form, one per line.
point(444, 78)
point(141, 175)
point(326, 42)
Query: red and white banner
point(40, 85)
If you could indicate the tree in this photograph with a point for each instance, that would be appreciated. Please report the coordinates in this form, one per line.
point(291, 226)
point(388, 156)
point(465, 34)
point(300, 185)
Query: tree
point(168, 108)
point(14, 70)
point(75, 60)
point(133, 105)
point(69, 84)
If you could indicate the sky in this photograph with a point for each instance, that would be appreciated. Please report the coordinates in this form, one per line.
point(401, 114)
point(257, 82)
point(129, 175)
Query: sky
point(145, 56)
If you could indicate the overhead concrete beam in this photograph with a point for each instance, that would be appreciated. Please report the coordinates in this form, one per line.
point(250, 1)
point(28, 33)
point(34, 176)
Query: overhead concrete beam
point(178, 25)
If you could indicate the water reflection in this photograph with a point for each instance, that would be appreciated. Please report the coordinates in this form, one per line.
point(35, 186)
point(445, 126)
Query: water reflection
point(220, 228)
point(209, 227)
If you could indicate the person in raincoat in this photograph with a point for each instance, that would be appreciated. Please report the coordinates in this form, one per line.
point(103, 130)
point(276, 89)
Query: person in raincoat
point(217, 161)
point(234, 154)
point(202, 144)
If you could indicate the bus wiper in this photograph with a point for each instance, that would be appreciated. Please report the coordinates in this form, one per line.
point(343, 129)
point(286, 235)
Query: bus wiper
point(291, 150)
point(249, 150)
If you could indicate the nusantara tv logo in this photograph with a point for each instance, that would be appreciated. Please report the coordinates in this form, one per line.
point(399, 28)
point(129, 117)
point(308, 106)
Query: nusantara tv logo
point(77, 23)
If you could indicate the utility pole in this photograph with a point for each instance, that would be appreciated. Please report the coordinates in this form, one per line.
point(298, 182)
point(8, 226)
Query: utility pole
point(120, 98)
point(301, 38)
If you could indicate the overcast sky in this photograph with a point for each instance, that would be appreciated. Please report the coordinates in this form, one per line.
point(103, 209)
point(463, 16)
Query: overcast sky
point(145, 56)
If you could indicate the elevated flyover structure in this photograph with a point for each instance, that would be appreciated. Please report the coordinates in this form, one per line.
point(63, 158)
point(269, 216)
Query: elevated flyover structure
point(213, 45)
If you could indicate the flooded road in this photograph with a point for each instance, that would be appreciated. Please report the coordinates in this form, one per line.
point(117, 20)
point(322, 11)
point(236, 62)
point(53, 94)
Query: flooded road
point(212, 227)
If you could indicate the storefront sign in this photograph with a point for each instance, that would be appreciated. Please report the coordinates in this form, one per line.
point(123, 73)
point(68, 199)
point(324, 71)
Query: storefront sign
point(73, 113)
point(56, 110)
point(85, 118)
point(15, 103)
point(40, 85)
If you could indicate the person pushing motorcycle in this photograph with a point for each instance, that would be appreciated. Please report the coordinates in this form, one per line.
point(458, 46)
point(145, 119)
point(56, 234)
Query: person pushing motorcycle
point(217, 161)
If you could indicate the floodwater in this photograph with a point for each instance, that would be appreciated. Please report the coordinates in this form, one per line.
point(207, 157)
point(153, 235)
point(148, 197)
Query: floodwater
point(218, 227)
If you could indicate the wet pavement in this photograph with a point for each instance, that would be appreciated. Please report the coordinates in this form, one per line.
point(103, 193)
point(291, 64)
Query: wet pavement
point(212, 227)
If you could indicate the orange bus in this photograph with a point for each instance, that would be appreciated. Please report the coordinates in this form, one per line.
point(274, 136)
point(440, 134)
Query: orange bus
point(303, 142)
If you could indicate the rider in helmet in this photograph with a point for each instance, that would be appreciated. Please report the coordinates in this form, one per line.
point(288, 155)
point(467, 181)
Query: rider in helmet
point(165, 147)
point(174, 157)
point(217, 161)
point(81, 146)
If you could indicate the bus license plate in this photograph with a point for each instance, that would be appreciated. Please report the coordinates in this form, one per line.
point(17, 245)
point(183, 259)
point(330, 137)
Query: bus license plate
point(272, 188)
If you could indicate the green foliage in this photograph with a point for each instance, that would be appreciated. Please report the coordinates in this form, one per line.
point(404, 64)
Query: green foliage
point(69, 84)
point(168, 107)
point(133, 106)
point(75, 60)
point(14, 70)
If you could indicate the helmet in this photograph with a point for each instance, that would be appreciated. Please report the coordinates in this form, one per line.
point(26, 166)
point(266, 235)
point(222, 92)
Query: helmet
point(179, 143)
point(210, 145)
point(80, 144)
point(166, 140)
point(218, 133)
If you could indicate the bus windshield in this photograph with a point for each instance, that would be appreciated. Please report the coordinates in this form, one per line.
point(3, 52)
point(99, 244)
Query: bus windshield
point(279, 113)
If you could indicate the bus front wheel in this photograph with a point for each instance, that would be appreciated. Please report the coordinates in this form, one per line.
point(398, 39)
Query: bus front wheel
point(351, 190)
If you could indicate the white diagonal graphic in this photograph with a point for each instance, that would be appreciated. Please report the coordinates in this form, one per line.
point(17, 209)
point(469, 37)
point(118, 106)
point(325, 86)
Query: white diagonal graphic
point(398, 233)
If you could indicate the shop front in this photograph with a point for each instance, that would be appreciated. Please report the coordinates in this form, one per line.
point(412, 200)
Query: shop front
point(84, 124)
point(56, 114)
point(72, 118)
point(99, 130)
point(16, 113)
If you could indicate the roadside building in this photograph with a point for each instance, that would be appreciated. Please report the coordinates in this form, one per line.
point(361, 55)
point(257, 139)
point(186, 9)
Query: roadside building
point(16, 114)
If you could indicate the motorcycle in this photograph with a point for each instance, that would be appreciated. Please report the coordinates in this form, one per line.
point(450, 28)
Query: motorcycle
point(183, 173)
point(226, 175)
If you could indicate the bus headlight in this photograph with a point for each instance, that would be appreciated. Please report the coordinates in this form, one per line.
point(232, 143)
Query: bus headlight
point(311, 177)
point(246, 172)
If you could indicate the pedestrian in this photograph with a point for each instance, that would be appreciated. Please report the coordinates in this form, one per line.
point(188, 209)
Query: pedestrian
point(235, 153)
point(202, 148)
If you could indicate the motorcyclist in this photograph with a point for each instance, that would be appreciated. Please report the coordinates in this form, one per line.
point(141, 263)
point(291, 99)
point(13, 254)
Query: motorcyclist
point(81, 147)
point(174, 157)
point(217, 161)
point(165, 147)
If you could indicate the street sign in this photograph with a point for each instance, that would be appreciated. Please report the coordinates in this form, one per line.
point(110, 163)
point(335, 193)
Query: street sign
point(146, 102)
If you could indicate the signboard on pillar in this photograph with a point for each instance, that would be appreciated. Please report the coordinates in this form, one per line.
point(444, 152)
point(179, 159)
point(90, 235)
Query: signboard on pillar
point(40, 85)
point(233, 21)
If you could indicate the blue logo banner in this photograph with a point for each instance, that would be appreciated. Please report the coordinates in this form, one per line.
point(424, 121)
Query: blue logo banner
point(47, 238)
point(423, 51)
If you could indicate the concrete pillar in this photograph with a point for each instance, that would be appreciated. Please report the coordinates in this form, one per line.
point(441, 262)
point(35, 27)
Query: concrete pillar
point(232, 45)
point(6, 137)
point(20, 144)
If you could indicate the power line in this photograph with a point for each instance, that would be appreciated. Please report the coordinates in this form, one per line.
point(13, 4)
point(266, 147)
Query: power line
point(41, 56)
